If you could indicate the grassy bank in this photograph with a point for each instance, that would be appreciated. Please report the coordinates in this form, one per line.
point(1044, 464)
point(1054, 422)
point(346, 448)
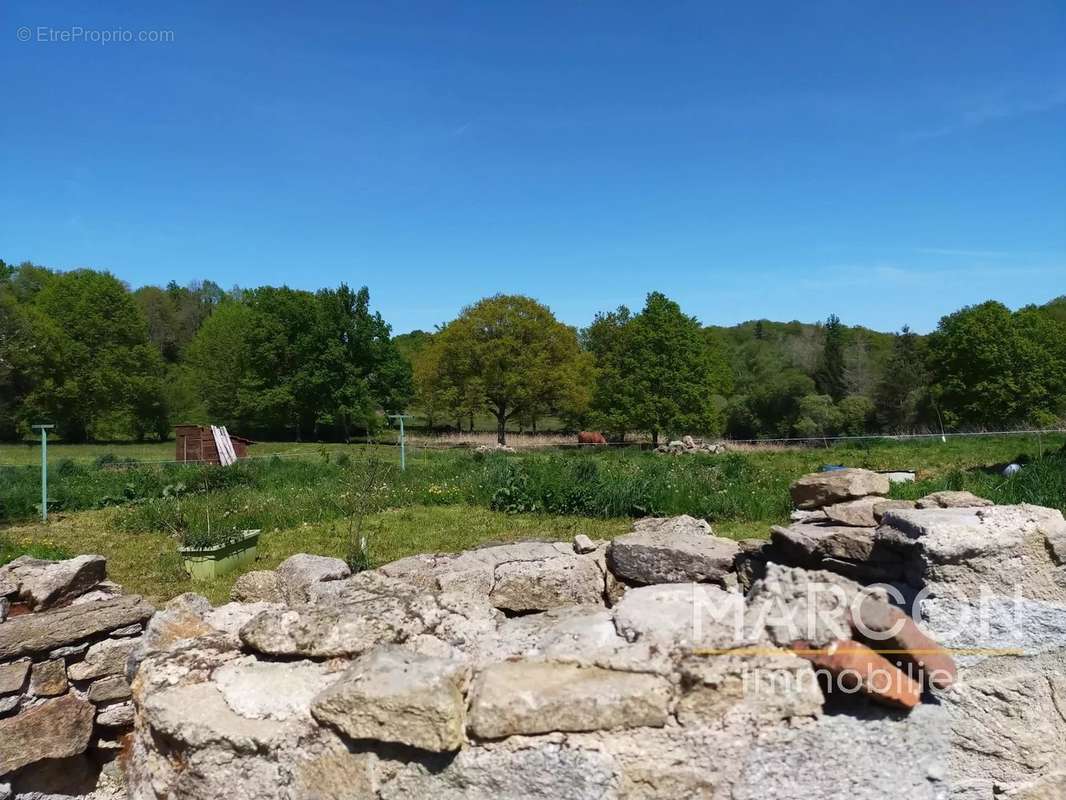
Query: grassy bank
point(450, 500)
point(148, 564)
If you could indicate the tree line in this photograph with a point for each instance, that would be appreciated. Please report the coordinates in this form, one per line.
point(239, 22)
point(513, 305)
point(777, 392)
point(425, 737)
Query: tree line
point(82, 350)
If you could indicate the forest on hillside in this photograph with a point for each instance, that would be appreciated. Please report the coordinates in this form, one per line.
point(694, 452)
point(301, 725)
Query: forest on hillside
point(105, 362)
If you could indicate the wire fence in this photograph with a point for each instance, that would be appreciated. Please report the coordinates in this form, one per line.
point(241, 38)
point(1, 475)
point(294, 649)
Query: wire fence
point(316, 449)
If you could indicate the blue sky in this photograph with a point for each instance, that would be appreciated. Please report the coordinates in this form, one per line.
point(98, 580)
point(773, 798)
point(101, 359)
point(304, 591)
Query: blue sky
point(785, 160)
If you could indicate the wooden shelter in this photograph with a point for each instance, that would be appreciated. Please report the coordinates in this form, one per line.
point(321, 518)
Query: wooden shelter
point(208, 444)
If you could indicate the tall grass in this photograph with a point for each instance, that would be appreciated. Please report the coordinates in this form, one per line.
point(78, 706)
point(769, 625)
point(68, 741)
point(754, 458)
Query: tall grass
point(280, 494)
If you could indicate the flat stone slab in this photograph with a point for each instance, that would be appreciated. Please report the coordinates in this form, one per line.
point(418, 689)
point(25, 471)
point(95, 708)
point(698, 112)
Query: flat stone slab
point(544, 583)
point(43, 584)
point(13, 676)
point(39, 633)
point(964, 552)
point(857, 513)
point(766, 687)
point(820, 489)
point(49, 678)
point(519, 577)
point(395, 695)
point(104, 658)
point(809, 543)
point(277, 690)
point(950, 499)
point(675, 550)
point(109, 689)
point(119, 715)
point(53, 729)
point(527, 697)
point(197, 715)
point(675, 614)
point(299, 572)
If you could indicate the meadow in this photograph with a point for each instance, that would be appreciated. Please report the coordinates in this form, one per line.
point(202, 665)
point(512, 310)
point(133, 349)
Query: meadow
point(125, 502)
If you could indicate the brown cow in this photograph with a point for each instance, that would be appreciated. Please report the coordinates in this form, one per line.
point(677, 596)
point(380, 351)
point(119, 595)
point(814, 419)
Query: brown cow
point(590, 437)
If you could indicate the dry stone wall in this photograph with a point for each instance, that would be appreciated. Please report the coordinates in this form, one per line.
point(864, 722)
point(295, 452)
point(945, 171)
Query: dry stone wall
point(871, 649)
point(65, 702)
point(665, 664)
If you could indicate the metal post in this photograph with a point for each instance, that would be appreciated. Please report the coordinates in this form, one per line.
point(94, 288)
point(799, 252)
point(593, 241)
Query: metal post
point(403, 440)
point(44, 469)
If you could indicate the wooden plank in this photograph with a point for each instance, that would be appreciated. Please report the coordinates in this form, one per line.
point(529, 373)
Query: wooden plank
point(222, 443)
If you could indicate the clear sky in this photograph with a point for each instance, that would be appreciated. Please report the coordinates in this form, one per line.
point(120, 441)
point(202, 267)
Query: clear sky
point(886, 162)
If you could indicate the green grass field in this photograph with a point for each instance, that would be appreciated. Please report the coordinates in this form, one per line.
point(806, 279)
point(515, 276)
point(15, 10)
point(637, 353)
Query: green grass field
point(105, 500)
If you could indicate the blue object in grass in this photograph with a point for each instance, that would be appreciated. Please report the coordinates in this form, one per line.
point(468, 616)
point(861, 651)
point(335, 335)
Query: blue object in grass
point(832, 467)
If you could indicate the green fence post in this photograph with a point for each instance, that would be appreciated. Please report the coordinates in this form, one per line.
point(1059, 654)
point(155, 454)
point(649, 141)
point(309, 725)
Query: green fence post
point(44, 469)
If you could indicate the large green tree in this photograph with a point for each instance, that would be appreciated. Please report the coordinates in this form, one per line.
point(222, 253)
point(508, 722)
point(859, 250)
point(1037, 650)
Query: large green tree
point(665, 372)
point(901, 396)
point(613, 401)
point(510, 355)
point(285, 362)
point(832, 370)
point(97, 373)
point(991, 367)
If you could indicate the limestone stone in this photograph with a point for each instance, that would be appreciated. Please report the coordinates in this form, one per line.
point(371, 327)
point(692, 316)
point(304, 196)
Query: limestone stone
point(1006, 728)
point(52, 729)
point(228, 619)
point(343, 628)
point(984, 626)
point(5, 608)
point(950, 499)
point(808, 515)
point(848, 757)
point(583, 544)
point(104, 658)
point(272, 689)
point(9, 703)
point(820, 489)
point(44, 584)
point(544, 583)
point(697, 615)
point(117, 715)
point(857, 513)
point(49, 678)
point(854, 552)
point(39, 633)
point(1048, 787)
point(13, 676)
point(261, 585)
point(967, 552)
point(130, 630)
point(527, 697)
point(812, 605)
point(196, 715)
point(69, 651)
point(106, 690)
point(395, 695)
point(336, 773)
point(105, 590)
point(673, 550)
point(762, 687)
point(551, 771)
point(669, 526)
point(298, 573)
point(883, 506)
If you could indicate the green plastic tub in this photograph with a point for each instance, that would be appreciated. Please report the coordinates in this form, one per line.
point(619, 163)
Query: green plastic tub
point(206, 563)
